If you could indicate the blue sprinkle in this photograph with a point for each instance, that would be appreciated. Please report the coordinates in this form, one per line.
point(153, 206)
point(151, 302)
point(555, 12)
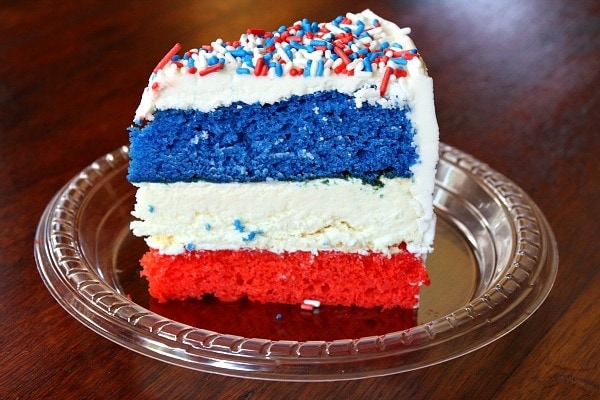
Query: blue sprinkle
point(282, 29)
point(252, 235)
point(278, 316)
point(238, 53)
point(397, 45)
point(242, 71)
point(297, 45)
point(307, 69)
point(367, 66)
point(384, 45)
point(414, 51)
point(207, 227)
point(190, 246)
point(150, 208)
point(248, 61)
point(360, 28)
point(337, 20)
point(318, 42)
point(186, 56)
point(278, 69)
point(212, 60)
point(288, 51)
point(175, 57)
point(237, 224)
point(267, 57)
point(190, 62)
point(399, 60)
point(320, 67)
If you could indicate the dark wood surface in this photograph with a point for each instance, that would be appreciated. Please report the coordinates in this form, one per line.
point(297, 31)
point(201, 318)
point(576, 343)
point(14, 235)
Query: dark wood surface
point(517, 86)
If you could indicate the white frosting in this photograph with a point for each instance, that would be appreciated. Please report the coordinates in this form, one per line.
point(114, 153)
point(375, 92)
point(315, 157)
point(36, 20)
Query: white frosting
point(329, 214)
point(174, 87)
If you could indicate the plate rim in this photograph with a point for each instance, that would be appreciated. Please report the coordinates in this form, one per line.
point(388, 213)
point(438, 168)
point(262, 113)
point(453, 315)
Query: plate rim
point(93, 303)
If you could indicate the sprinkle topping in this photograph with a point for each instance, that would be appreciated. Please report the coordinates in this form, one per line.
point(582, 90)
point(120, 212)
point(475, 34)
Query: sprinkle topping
point(347, 45)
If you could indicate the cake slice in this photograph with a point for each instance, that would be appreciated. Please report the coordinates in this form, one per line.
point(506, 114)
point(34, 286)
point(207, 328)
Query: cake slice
point(289, 165)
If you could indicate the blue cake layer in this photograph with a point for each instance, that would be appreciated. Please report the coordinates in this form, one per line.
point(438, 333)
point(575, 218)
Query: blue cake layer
point(322, 135)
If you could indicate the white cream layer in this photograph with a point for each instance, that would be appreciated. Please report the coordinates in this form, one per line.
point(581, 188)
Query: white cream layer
point(328, 214)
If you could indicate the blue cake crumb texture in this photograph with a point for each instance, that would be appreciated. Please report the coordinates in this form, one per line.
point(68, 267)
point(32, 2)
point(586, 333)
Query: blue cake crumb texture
point(323, 135)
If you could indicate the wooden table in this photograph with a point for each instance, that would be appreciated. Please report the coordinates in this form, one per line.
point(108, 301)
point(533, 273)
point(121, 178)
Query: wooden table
point(517, 86)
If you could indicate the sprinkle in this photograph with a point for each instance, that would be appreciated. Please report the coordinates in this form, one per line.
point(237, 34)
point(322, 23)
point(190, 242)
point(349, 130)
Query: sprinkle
point(385, 81)
point(237, 224)
point(190, 246)
point(252, 235)
point(342, 55)
point(150, 208)
point(314, 303)
point(255, 31)
point(278, 69)
point(259, 64)
point(278, 316)
point(307, 307)
point(344, 46)
point(210, 69)
point(207, 227)
point(167, 57)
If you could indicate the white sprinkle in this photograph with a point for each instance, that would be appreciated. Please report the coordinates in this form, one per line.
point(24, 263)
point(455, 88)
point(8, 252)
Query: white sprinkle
point(314, 303)
point(218, 48)
point(352, 64)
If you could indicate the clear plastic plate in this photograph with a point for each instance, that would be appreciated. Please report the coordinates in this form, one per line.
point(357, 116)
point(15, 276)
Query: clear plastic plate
point(494, 263)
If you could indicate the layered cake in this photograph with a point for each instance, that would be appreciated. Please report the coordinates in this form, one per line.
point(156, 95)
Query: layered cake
point(287, 165)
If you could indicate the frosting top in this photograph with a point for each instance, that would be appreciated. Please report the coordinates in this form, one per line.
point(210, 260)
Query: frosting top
point(351, 52)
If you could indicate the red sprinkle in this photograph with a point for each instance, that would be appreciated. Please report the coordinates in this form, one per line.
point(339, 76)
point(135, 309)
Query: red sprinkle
point(167, 57)
point(212, 68)
point(400, 73)
point(155, 86)
point(340, 68)
point(307, 307)
point(385, 81)
point(255, 31)
point(264, 70)
point(342, 55)
point(258, 69)
point(193, 70)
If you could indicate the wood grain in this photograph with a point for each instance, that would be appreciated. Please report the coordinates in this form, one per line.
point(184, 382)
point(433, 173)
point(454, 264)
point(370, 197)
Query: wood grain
point(516, 86)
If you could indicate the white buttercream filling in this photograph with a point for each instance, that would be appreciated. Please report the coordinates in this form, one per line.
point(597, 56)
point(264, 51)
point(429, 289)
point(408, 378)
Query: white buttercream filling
point(327, 214)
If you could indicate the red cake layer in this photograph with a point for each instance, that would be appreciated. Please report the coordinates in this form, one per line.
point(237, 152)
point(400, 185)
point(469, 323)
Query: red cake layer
point(332, 277)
